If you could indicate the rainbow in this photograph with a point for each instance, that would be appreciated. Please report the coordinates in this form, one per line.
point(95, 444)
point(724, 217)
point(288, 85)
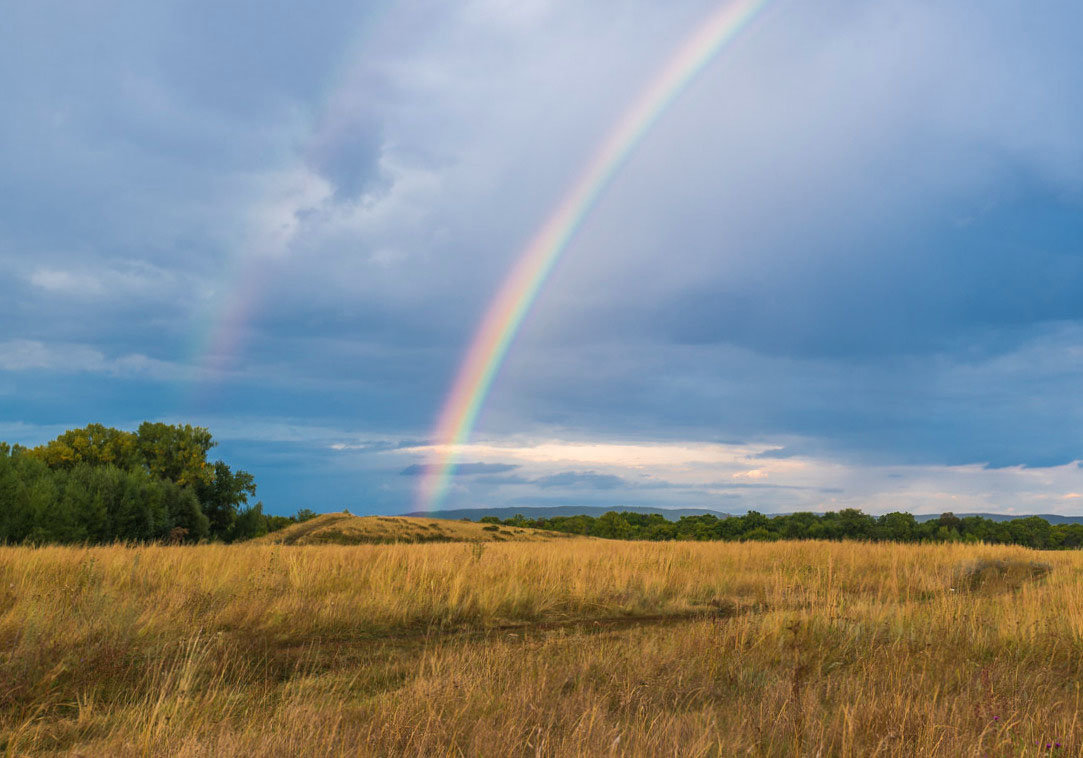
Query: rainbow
point(519, 290)
point(218, 346)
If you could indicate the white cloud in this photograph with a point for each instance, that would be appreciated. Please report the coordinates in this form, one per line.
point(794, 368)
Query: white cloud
point(22, 433)
point(66, 282)
point(25, 355)
point(624, 454)
point(30, 355)
point(718, 476)
point(116, 280)
point(752, 475)
point(277, 214)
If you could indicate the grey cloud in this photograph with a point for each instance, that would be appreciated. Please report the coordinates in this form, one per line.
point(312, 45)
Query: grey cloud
point(346, 151)
point(587, 479)
point(760, 486)
point(461, 469)
point(777, 453)
point(379, 446)
point(32, 355)
point(499, 481)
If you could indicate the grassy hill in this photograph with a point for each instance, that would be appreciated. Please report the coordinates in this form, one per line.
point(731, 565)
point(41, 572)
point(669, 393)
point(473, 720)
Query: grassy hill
point(347, 529)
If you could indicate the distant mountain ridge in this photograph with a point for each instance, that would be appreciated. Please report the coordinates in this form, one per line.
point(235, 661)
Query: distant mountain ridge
point(673, 514)
point(548, 511)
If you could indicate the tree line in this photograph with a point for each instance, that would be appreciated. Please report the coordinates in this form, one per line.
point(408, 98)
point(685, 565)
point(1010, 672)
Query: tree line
point(99, 484)
point(849, 524)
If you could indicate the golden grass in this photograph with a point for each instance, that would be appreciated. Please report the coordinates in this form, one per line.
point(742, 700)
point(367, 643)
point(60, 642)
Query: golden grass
point(346, 529)
point(578, 647)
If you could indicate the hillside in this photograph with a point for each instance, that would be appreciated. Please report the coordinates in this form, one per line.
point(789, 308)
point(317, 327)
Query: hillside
point(347, 529)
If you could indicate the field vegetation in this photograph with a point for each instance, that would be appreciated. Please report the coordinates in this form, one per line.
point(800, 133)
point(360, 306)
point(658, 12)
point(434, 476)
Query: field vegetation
point(570, 647)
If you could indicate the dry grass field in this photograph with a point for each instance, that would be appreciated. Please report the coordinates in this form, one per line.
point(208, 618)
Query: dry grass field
point(571, 647)
point(345, 529)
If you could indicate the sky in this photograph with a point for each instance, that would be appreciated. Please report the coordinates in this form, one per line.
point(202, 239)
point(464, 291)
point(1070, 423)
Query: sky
point(844, 269)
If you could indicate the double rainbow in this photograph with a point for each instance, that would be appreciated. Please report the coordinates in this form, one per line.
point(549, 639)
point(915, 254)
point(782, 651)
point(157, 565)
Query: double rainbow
point(519, 290)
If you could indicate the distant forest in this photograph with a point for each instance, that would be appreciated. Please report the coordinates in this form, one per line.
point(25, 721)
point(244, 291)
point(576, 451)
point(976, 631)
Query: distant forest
point(849, 524)
point(99, 484)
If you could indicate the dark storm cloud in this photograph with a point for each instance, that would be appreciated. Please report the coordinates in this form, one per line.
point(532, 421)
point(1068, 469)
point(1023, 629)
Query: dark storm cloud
point(947, 287)
point(347, 154)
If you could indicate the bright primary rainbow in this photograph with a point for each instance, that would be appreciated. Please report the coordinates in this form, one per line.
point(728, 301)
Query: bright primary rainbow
point(517, 294)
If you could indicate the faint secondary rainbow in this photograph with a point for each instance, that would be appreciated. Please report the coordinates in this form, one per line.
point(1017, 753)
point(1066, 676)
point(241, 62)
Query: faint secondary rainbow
point(519, 290)
point(220, 336)
point(217, 347)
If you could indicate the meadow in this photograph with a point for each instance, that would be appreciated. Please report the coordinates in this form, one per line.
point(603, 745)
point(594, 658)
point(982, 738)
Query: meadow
point(564, 647)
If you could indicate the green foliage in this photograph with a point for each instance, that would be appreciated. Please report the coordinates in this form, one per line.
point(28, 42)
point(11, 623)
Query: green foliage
point(222, 494)
point(99, 484)
point(94, 444)
point(274, 523)
point(613, 525)
point(249, 523)
point(177, 453)
point(86, 503)
point(849, 524)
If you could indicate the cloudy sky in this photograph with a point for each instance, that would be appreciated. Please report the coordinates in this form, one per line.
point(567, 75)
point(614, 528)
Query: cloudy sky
point(844, 269)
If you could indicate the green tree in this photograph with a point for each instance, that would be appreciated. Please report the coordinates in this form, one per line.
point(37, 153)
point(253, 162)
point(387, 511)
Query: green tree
point(898, 527)
point(613, 526)
point(176, 453)
point(1032, 531)
point(249, 523)
point(796, 526)
point(94, 444)
point(853, 524)
point(754, 520)
point(760, 534)
point(221, 495)
point(950, 521)
point(185, 512)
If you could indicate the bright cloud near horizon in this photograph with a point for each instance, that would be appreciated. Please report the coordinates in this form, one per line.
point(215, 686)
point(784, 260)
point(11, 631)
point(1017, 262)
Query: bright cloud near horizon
point(844, 268)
